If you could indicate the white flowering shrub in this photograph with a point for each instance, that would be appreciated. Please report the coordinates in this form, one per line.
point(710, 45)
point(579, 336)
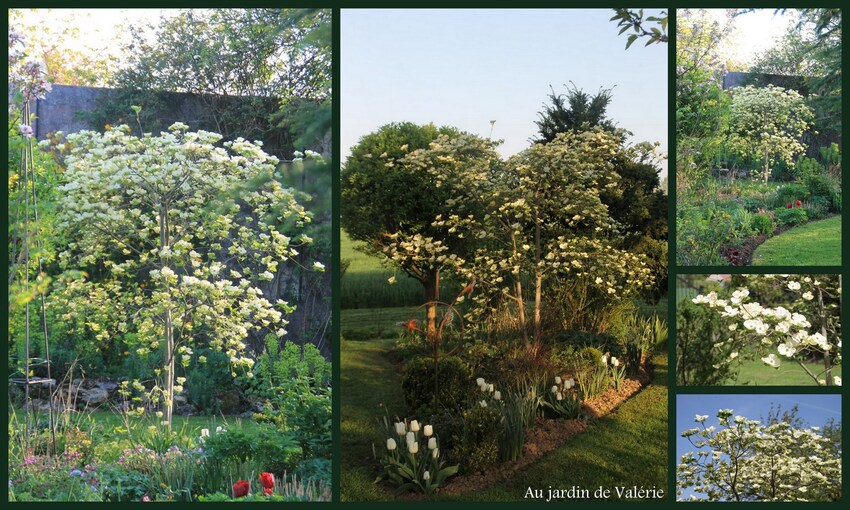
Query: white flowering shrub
point(785, 332)
point(176, 233)
point(739, 459)
point(412, 460)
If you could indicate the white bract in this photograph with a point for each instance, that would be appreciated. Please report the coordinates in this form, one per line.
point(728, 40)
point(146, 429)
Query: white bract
point(179, 239)
point(787, 330)
point(745, 460)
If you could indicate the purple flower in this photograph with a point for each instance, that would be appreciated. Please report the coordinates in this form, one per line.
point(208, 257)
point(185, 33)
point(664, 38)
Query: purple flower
point(76, 472)
point(26, 130)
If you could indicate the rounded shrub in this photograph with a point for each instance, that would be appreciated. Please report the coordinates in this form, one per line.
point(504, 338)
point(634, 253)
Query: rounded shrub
point(477, 446)
point(820, 185)
point(452, 386)
point(791, 193)
point(792, 216)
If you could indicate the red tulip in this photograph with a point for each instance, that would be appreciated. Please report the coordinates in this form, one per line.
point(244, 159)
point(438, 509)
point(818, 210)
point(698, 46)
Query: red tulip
point(267, 481)
point(799, 204)
point(240, 489)
point(789, 205)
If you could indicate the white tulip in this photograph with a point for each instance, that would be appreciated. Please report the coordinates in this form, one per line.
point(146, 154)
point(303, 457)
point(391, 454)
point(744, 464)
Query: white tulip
point(429, 431)
point(497, 395)
point(432, 443)
point(391, 444)
point(414, 426)
point(400, 429)
point(413, 447)
point(411, 437)
point(426, 475)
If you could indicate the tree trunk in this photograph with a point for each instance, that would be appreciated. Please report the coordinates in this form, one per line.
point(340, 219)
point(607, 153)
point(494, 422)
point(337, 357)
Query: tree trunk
point(164, 242)
point(520, 302)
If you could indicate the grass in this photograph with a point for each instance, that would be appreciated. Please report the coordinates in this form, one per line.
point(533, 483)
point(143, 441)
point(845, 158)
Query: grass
point(369, 378)
point(755, 373)
point(814, 244)
point(372, 323)
point(627, 447)
point(365, 282)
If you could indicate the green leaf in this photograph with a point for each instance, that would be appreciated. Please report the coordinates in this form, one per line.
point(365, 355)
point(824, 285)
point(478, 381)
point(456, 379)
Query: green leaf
point(632, 38)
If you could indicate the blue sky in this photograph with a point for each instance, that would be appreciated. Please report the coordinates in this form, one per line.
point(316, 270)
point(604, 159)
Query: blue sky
point(814, 409)
point(465, 68)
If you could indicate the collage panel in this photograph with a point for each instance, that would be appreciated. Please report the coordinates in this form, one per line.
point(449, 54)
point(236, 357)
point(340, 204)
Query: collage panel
point(758, 447)
point(758, 330)
point(758, 137)
point(504, 239)
point(170, 257)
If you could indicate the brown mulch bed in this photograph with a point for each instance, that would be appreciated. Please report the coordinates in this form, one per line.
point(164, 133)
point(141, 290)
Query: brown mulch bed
point(742, 255)
point(549, 435)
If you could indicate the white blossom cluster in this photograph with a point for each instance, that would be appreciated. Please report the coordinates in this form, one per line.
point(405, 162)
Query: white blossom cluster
point(788, 332)
point(179, 237)
point(740, 459)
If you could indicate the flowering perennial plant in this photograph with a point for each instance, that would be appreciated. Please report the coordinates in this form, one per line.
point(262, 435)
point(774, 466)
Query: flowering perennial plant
point(564, 398)
point(739, 459)
point(780, 333)
point(412, 460)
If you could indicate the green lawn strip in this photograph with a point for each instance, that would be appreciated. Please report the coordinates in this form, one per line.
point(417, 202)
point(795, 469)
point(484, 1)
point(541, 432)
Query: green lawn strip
point(368, 378)
point(756, 373)
point(817, 243)
point(625, 448)
point(372, 323)
point(365, 282)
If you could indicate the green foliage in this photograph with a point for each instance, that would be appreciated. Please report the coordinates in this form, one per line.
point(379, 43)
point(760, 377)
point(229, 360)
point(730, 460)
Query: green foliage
point(790, 193)
point(791, 216)
point(478, 445)
point(763, 224)
point(204, 382)
point(634, 355)
point(122, 484)
point(449, 387)
point(267, 447)
point(821, 185)
point(592, 381)
point(564, 399)
point(698, 361)
point(633, 22)
point(277, 61)
point(412, 460)
point(604, 342)
point(573, 111)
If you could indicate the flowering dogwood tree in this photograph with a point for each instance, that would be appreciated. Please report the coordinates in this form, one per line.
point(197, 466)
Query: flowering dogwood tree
point(768, 122)
point(745, 460)
point(808, 324)
point(539, 218)
point(177, 233)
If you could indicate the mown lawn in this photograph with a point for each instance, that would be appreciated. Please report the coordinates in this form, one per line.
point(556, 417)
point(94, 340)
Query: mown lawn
point(756, 373)
point(627, 447)
point(814, 244)
point(369, 379)
point(365, 282)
